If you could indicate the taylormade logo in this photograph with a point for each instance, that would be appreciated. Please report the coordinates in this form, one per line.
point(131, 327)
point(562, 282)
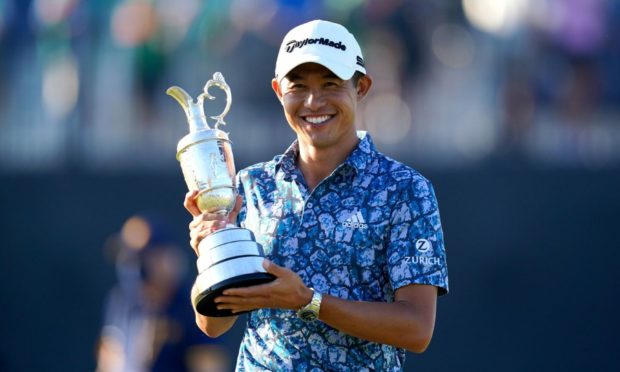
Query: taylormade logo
point(291, 45)
point(356, 221)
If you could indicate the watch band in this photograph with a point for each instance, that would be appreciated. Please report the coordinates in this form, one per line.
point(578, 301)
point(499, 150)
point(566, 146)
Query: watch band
point(310, 312)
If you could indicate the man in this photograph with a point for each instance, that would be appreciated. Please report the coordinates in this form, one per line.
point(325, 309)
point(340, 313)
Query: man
point(353, 237)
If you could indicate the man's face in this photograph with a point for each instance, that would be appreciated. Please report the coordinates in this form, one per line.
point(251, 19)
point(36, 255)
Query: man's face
point(319, 106)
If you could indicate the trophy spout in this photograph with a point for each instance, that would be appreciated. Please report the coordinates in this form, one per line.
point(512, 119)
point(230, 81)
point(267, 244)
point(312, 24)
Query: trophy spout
point(178, 93)
point(194, 111)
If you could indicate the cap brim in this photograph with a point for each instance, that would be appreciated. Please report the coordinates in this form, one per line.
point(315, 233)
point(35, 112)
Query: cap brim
point(342, 71)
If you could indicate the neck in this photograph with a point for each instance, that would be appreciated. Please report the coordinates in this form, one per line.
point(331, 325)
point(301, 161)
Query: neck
point(317, 163)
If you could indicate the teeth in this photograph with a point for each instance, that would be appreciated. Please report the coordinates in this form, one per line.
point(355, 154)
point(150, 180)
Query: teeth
point(317, 119)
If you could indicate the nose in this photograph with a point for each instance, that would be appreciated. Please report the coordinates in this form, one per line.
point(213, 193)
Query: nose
point(315, 99)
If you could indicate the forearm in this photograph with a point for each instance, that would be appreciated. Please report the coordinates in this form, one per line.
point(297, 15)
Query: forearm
point(401, 323)
point(211, 326)
point(214, 326)
point(407, 322)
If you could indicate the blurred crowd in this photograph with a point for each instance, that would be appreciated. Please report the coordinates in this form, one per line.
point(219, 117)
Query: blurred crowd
point(148, 322)
point(456, 83)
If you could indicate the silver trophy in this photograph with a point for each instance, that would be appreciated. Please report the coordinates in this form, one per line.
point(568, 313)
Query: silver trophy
point(229, 257)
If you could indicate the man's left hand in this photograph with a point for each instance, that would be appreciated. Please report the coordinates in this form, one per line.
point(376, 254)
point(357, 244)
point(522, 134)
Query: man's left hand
point(287, 291)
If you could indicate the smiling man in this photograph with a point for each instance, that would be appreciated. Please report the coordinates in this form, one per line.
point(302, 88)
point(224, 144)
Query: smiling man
point(353, 237)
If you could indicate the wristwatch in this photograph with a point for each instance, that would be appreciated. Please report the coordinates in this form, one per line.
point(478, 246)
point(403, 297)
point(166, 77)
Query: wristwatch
point(310, 312)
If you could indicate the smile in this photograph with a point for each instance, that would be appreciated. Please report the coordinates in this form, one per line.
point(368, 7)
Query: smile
point(317, 119)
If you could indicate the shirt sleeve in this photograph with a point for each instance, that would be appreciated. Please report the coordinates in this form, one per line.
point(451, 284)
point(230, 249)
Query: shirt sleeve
point(416, 253)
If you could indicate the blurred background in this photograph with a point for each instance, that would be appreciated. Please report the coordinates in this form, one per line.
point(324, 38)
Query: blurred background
point(510, 107)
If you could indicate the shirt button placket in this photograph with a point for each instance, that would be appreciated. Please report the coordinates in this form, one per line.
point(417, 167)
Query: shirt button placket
point(306, 207)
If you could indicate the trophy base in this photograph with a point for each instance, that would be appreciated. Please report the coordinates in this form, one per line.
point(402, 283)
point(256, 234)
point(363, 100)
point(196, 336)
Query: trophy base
point(229, 258)
point(204, 301)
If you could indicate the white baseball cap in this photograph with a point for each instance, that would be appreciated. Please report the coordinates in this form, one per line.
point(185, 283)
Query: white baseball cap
point(322, 42)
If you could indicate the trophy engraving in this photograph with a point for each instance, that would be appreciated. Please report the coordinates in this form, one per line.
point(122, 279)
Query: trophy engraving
point(229, 257)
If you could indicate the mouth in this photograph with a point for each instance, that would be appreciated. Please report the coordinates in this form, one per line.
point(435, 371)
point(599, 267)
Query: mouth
point(317, 119)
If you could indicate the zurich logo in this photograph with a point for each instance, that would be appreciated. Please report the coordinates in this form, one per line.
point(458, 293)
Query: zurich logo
point(423, 245)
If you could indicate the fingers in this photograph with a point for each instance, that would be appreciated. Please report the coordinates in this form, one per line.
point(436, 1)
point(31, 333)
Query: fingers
point(260, 290)
point(203, 225)
point(213, 220)
point(249, 298)
point(237, 303)
point(190, 203)
point(286, 292)
point(195, 237)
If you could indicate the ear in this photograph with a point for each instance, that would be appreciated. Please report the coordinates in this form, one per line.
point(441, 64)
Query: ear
point(363, 86)
point(276, 89)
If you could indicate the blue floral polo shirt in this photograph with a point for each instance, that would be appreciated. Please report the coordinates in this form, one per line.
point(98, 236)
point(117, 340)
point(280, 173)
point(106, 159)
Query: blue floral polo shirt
point(368, 229)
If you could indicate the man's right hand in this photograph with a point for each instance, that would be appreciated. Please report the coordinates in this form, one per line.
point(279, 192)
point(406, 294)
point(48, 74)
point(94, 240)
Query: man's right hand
point(204, 224)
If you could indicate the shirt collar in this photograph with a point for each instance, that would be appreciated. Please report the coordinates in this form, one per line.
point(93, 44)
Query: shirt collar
point(362, 155)
point(358, 160)
point(287, 161)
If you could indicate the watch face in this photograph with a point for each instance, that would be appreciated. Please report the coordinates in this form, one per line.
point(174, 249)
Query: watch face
point(307, 315)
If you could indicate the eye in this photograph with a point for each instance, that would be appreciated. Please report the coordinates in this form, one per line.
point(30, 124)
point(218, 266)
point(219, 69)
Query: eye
point(331, 84)
point(296, 86)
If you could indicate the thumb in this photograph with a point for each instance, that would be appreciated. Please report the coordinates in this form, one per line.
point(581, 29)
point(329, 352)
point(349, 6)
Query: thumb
point(272, 268)
point(190, 203)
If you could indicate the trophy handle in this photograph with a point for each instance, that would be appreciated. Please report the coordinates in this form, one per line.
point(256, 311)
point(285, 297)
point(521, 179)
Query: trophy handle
point(218, 81)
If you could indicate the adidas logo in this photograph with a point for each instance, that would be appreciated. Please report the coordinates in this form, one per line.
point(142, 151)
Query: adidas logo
point(356, 221)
